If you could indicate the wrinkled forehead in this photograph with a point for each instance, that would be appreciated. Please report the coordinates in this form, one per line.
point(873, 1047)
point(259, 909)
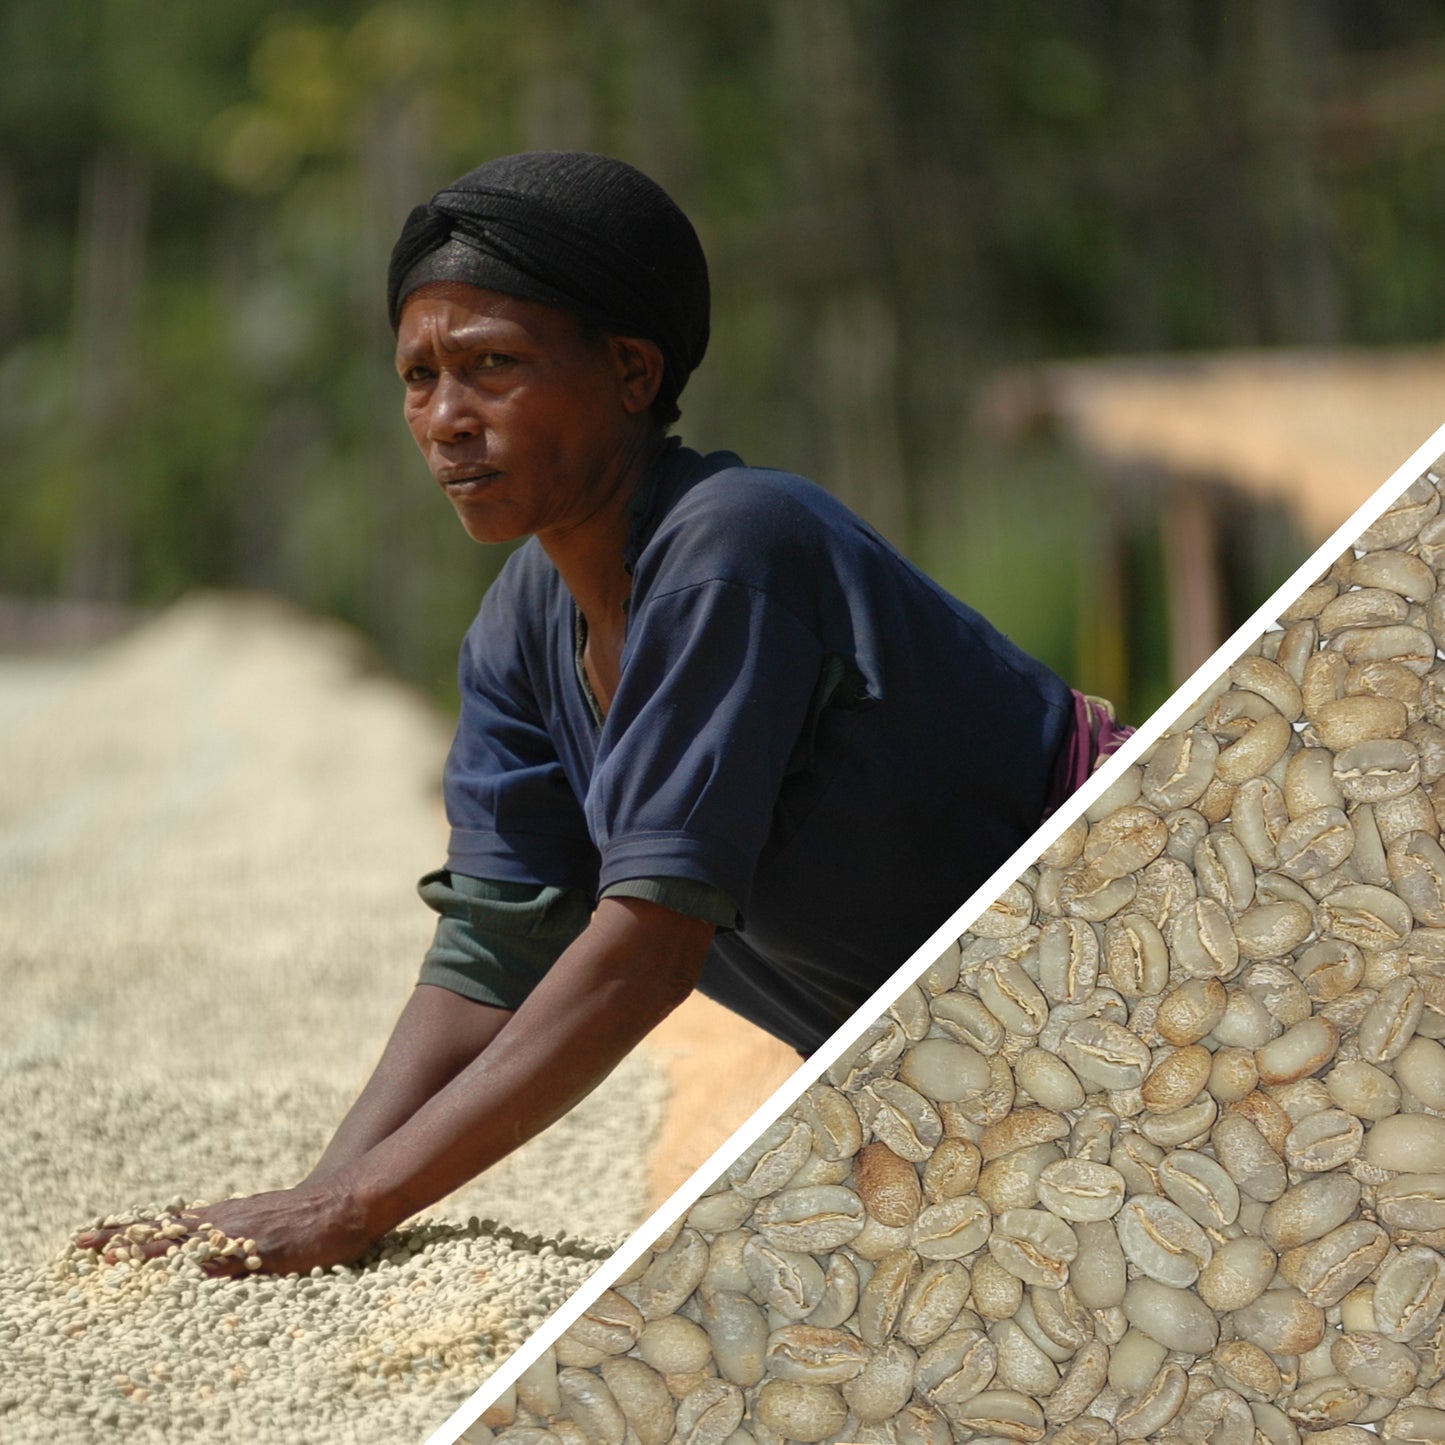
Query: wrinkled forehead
point(453, 314)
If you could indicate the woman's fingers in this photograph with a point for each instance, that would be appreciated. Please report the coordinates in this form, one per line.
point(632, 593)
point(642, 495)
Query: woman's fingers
point(219, 1238)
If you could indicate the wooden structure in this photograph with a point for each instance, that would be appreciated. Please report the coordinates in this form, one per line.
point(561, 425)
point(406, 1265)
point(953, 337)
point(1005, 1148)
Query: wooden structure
point(1314, 432)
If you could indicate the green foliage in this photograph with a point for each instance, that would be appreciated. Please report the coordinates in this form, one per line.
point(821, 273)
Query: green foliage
point(1034, 503)
point(197, 203)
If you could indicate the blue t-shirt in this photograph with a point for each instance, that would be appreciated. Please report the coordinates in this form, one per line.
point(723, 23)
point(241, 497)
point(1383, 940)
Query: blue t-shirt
point(805, 722)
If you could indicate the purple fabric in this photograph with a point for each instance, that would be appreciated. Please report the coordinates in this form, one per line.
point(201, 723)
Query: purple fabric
point(1096, 733)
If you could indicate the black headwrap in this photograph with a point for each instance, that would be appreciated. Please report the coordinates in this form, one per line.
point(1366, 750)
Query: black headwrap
point(582, 232)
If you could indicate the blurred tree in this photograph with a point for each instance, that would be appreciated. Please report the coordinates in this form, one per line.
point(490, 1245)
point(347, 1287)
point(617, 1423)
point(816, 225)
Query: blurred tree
point(196, 207)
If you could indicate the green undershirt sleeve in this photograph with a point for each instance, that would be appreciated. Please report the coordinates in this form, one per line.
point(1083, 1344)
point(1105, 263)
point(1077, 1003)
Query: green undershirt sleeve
point(494, 941)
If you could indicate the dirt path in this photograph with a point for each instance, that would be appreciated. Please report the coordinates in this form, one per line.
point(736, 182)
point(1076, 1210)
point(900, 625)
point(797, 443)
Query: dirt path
point(720, 1071)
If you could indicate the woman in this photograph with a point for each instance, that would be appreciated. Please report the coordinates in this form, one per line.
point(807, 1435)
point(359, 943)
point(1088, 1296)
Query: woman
point(714, 731)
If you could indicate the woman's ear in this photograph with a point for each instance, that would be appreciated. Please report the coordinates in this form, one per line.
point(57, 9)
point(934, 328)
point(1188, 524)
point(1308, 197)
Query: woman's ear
point(640, 366)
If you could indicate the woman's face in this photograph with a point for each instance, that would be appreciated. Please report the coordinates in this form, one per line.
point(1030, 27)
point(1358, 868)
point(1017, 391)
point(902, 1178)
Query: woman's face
point(529, 427)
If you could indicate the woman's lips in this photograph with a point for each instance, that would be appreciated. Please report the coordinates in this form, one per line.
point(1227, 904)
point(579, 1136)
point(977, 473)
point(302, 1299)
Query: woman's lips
point(467, 484)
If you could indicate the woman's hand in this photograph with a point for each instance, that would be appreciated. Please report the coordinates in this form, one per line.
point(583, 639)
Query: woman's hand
point(633, 964)
point(292, 1231)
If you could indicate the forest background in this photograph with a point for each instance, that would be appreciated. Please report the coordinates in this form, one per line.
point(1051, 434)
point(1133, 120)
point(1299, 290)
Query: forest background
point(898, 198)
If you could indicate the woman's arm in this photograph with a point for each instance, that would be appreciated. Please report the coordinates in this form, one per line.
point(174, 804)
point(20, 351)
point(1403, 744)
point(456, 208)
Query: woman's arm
point(631, 967)
point(438, 1034)
point(628, 970)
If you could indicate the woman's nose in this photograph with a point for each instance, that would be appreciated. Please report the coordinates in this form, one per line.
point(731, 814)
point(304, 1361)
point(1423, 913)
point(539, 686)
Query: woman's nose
point(453, 410)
